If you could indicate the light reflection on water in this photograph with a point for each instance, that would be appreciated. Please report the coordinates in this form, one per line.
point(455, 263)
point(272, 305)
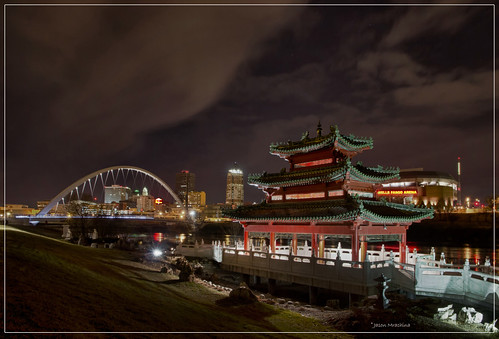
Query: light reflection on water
point(458, 255)
point(454, 254)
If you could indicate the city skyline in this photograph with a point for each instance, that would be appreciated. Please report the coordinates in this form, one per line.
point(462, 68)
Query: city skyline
point(198, 88)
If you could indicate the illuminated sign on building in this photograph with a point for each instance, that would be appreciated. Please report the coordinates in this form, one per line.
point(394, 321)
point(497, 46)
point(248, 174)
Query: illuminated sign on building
point(159, 201)
point(314, 195)
point(397, 192)
point(314, 163)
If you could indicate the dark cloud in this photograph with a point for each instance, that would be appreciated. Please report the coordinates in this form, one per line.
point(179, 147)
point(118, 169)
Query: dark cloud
point(417, 21)
point(201, 87)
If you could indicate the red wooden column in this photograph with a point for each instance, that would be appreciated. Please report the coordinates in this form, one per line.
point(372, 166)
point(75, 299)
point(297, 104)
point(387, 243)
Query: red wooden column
point(246, 242)
point(355, 243)
point(294, 244)
point(313, 244)
point(272, 242)
point(402, 245)
point(363, 248)
point(321, 246)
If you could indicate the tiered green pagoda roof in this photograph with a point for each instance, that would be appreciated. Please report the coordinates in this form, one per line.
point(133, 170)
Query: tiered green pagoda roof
point(348, 209)
point(324, 174)
point(306, 144)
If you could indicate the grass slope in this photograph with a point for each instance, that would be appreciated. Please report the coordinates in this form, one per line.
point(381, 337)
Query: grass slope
point(55, 286)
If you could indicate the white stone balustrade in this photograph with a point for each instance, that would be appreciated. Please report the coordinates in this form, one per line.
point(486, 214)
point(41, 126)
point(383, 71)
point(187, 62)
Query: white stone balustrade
point(420, 275)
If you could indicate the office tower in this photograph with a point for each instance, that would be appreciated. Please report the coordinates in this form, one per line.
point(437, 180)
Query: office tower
point(184, 182)
point(235, 187)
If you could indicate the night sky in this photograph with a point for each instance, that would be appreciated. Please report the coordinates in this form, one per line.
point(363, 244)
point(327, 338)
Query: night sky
point(199, 88)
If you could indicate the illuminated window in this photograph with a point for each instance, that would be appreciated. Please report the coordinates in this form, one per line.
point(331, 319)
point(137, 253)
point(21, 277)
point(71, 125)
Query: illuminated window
point(277, 197)
point(361, 194)
point(314, 195)
point(335, 193)
point(314, 163)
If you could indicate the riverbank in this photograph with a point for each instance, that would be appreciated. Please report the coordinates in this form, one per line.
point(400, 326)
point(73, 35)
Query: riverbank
point(403, 315)
point(55, 286)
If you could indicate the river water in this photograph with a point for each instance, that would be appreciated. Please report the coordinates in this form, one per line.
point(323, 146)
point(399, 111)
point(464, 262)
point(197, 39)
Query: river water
point(458, 254)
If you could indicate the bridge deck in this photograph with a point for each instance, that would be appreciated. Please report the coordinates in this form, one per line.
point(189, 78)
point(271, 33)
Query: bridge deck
point(426, 277)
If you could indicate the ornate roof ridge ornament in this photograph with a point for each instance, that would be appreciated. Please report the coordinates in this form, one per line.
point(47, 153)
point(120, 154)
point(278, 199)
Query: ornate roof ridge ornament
point(306, 144)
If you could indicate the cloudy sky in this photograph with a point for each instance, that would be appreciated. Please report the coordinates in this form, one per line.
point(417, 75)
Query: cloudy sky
point(199, 88)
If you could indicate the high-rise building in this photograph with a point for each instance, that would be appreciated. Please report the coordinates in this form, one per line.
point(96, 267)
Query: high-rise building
point(184, 182)
point(234, 194)
point(197, 199)
point(145, 202)
point(116, 193)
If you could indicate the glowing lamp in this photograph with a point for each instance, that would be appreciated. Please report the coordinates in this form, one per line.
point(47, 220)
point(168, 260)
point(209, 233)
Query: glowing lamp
point(156, 252)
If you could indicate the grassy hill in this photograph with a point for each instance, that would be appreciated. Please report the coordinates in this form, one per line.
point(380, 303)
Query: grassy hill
point(55, 286)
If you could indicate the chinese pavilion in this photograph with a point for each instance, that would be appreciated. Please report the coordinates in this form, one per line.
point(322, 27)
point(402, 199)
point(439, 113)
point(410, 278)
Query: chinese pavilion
point(324, 198)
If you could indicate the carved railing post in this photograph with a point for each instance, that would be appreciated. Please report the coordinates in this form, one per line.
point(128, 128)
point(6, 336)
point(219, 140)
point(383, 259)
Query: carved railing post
point(466, 277)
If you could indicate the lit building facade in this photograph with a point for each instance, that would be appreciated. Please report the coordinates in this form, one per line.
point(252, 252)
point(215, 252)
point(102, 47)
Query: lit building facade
point(10, 210)
point(416, 186)
point(185, 182)
point(116, 193)
point(145, 202)
point(234, 193)
point(197, 199)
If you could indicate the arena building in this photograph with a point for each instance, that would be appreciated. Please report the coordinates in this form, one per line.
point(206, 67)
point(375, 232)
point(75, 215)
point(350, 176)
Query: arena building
point(416, 186)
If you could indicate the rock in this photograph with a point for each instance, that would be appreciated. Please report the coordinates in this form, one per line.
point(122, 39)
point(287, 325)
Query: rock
point(243, 294)
point(477, 318)
point(468, 315)
point(446, 308)
point(186, 270)
point(280, 301)
point(445, 313)
point(490, 327)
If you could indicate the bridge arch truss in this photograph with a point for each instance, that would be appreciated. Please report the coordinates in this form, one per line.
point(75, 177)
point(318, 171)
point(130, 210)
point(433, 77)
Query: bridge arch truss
point(92, 180)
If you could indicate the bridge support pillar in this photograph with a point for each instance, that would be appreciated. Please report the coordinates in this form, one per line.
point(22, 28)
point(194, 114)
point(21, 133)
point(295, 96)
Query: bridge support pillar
point(256, 280)
point(313, 292)
point(246, 279)
point(271, 286)
point(294, 244)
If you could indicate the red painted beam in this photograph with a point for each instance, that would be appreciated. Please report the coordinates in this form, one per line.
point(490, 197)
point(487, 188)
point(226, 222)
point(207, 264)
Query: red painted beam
point(330, 229)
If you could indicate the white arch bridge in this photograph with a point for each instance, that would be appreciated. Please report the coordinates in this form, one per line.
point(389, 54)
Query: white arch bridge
point(107, 176)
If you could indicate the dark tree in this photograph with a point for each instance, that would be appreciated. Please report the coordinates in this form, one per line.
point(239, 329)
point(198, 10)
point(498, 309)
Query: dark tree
point(78, 223)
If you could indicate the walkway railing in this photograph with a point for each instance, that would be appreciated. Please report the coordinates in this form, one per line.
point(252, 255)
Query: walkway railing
point(421, 275)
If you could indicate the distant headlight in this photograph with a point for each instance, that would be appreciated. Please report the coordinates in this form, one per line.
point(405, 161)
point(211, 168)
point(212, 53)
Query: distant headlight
point(157, 253)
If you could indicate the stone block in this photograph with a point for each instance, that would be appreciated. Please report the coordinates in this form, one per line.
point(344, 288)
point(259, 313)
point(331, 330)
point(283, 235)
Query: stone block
point(490, 327)
point(477, 318)
point(443, 309)
point(468, 315)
